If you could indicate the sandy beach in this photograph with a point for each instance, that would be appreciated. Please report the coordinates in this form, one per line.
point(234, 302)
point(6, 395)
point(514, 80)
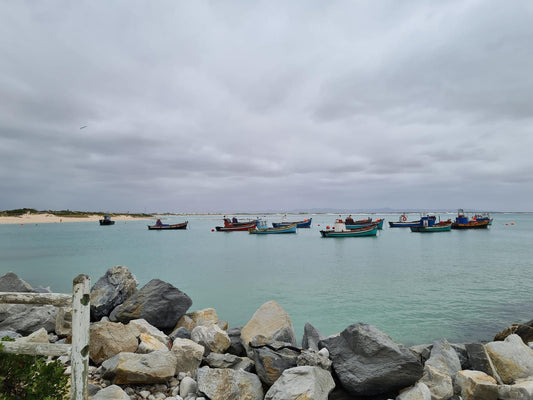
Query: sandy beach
point(51, 218)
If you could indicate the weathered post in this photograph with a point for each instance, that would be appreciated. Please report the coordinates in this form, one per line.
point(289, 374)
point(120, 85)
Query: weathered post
point(80, 337)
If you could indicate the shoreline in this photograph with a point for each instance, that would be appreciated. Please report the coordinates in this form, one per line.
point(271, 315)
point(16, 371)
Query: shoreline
point(51, 218)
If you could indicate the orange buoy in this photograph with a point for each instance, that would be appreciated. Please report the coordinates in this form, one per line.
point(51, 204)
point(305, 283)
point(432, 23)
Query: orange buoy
point(506, 223)
point(327, 227)
point(318, 225)
point(212, 230)
point(512, 223)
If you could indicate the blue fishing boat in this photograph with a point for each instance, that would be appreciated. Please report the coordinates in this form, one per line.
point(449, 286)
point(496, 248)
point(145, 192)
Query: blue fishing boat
point(306, 223)
point(340, 230)
point(441, 226)
point(463, 222)
point(281, 229)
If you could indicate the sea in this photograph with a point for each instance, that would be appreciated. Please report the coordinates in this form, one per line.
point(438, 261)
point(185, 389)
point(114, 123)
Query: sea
point(464, 286)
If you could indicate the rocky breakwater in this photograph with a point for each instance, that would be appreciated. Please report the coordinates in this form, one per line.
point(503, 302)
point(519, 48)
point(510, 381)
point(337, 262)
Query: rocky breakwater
point(146, 344)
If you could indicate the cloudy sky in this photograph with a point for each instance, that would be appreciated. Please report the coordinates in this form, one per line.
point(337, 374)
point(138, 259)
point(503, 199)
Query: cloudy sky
point(225, 106)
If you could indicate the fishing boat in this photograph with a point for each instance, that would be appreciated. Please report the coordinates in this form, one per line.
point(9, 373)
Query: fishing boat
point(107, 220)
point(441, 226)
point(351, 224)
point(280, 229)
point(306, 223)
point(483, 217)
point(340, 230)
point(235, 225)
point(404, 223)
point(463, 222)
point(159, 226)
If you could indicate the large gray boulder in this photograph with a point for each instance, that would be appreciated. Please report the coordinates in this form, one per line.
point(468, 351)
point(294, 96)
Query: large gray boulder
point(272, 358)
point(10, 282)
point(111, 290)
point(158, 302)
point(129, 368)
point(302, 383)
point(228, 384)
point(368, 362)
point(311, 337)
point(270, 321)
point(112, 392)
point(445, 358)
point(26, 319)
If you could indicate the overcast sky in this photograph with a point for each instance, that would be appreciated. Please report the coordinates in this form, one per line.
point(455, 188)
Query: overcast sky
point(226, 106)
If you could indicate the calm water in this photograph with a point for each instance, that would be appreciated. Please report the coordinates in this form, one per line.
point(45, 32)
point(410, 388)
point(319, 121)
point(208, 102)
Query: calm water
point(459, 285)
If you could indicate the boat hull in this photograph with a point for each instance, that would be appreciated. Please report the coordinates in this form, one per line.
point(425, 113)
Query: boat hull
point(365, 231)
point(182, 225)
point(434, 228)
point(106, 222)
point(281, 229)
point(471, 225)
point(300, 224)
point(237, 228)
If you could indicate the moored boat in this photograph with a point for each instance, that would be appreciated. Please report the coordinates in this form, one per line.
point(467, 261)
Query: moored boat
point(442, 226)
point(351, 224)
point(280, 229)
point(235, 225)
point(463, 222)
point(107, 220)
point(306, 223)
point(404, 223)
point(340, 230)
point(159, 226)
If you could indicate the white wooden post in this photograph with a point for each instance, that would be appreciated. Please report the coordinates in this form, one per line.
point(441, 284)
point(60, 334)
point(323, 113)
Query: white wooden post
point(80, 337)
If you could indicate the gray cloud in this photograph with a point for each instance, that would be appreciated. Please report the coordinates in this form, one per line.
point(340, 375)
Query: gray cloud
point(299, 105)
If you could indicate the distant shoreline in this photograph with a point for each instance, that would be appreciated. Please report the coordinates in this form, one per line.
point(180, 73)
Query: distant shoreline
point(45, 218)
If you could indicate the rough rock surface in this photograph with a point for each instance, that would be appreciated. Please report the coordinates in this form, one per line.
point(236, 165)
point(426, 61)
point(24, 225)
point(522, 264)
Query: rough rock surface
point(188, 355)
point(111, 290)
point(228, 384)
point(301, 383)
point(107, 339)
point(10, 282)
point(512, 358)
point(311, 337)
point(112, 392)
point(444, 357)
point(270, 321)
point(26, 319)
point(368, 362)
point(476, 385)
point(158, 302)
point(211, 337)
point(273, 359)
point(438, 382)
point(129, 368)
point(235, 346)
point(215, 360)
point(418, 392)
point(196, 318)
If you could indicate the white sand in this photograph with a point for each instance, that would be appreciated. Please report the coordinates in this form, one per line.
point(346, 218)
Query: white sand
point(49, 218)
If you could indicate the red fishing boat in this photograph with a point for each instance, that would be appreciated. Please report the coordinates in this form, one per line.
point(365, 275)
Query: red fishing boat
point(235, 225)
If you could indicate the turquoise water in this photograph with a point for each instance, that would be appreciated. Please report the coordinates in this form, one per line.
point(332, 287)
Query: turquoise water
point(459, 285)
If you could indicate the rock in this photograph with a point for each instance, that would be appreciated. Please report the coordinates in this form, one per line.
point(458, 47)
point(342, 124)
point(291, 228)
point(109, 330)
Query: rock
point(93, 389)
point(418, 392)
point(188, 355)
point(112, 392)
point(272, 358)
point(235, 346)
point(314, 358)
point(191, 320)
point(476, 385)
point(148, 343)
point(10, 282)
point(158, 302)
point(479, 360)
point(525, 331)
point(188, 386)
point(180, 333)
point(111, 290)
point(39, 336)
point(423, 351)
point(211, 337)
point(228, 384)
point(130, 368)
point(368, 362)
point(10, 334)
point(144, 327)
point(438, 382)
point(444, 357)
point(108, 339)
point(63, 326)
point(512, 359)
point(26, 319)
point(520, 390)
point(301, 383)
point(215, 360)
point(270, 321)
point(311, 337)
